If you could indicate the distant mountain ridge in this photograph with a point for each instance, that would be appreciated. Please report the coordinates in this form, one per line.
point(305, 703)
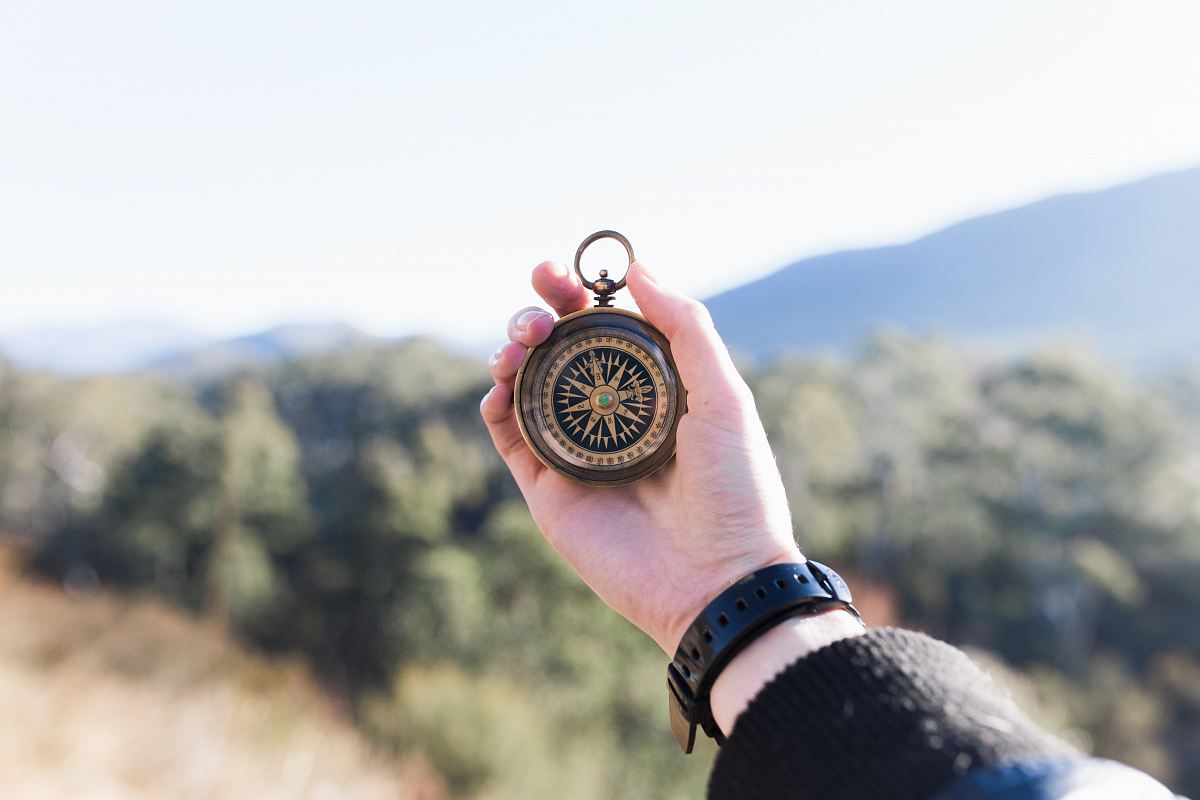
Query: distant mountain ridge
point(169, 349)
point(280, 343)
point(117, 347)
point(1120, 267)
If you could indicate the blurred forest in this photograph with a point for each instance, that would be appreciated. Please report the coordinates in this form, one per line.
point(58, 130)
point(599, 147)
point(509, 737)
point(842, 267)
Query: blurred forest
point(348, 511)
point(110, 695)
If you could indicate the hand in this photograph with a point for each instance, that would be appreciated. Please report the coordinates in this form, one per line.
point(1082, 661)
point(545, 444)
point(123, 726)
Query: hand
point(656, 551)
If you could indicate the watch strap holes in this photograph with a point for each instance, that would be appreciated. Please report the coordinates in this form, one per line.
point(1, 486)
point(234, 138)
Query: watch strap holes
point(732, 621)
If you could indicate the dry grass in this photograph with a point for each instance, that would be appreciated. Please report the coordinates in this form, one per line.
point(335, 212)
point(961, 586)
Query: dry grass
point(105, 697)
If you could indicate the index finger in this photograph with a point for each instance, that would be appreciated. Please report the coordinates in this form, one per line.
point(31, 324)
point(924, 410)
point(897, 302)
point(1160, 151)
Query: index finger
point(560, 288)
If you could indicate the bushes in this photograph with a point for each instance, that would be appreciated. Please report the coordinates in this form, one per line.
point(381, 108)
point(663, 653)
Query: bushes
point(350, 509)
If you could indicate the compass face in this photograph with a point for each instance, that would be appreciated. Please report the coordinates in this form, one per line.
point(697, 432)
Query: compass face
point(599, 400)
point(604, 393)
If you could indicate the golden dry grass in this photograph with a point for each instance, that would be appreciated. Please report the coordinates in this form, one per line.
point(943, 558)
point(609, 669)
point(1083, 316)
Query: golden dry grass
point(105, 697)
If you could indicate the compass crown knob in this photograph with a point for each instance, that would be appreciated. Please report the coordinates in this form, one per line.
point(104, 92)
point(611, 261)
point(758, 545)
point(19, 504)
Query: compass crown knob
point(604, 286)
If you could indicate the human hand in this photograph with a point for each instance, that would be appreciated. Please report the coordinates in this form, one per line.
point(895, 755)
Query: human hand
point(656, 551)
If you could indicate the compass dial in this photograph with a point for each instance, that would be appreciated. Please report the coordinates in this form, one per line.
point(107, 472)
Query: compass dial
point(604, 394)
point(599, 400)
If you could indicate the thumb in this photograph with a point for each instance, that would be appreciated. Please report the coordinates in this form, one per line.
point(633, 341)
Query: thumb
point(707, 371)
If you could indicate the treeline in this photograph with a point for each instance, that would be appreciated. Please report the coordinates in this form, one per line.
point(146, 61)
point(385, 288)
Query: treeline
point(349, 508)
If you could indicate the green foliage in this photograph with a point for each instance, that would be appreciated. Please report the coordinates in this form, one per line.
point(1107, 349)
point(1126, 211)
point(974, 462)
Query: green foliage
point(157, 521)
point(471, 727)
point(349, 508)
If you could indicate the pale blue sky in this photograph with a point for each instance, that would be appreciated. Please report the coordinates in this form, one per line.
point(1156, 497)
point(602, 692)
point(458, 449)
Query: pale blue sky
point(229, 165)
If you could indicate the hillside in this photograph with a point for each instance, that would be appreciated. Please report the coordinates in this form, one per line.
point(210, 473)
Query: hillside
point(1119, 267)
point(111, 697)
point(350, 509)
point(272, 346)
point(169, 349)
point(91, 349)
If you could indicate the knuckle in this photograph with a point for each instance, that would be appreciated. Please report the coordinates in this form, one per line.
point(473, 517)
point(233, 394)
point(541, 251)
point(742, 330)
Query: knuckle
point(745, 398)
point(729, 396)
point(698, 313)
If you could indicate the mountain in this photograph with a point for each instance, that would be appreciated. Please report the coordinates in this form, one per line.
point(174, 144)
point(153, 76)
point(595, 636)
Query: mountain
point(118, 347)
point(168, 349)
point(281, 343)
point(1119, 267)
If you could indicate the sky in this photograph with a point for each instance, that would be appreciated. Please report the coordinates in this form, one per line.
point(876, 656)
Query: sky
point(227, 166)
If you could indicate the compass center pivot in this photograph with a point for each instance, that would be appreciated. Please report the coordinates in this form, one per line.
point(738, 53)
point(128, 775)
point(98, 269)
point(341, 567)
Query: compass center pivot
point(604, 400)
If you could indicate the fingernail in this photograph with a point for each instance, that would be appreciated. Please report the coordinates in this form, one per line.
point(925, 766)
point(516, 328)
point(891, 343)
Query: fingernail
point(496, 356)
point(526, 319)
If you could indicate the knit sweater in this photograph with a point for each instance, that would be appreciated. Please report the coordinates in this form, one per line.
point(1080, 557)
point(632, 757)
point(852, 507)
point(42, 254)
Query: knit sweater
point(891, 715)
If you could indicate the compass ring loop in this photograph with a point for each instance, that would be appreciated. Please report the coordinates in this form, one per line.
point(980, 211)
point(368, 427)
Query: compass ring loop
point(609, 285)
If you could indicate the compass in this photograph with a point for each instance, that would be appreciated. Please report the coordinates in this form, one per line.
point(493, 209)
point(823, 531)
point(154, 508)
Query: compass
point(600, 399)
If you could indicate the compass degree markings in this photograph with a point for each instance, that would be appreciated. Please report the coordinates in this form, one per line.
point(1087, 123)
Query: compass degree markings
point(587, 366)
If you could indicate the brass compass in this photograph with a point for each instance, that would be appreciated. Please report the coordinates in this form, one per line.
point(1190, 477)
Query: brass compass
point(599, 400)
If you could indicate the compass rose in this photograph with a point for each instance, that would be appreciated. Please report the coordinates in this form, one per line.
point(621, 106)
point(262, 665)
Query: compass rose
point(604, 399)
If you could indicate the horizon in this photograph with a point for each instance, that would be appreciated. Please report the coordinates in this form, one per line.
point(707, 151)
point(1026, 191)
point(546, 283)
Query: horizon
point(203, 337)
point(198, 164)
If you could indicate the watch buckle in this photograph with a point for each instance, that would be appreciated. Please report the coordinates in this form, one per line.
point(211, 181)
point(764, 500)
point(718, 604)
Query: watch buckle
point(679, 701)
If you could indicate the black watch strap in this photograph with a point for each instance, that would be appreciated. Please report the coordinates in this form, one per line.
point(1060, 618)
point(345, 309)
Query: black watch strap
point(730, 622)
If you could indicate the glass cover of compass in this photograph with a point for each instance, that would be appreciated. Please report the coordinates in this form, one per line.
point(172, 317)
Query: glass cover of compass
point(599, 400)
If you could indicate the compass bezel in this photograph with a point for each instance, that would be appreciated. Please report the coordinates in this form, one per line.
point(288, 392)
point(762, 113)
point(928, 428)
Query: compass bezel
point(531, 377)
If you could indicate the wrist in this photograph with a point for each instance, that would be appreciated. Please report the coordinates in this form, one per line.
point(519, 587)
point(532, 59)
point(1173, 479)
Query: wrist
point(770, 654)
point(734, 621)
point(731, 573)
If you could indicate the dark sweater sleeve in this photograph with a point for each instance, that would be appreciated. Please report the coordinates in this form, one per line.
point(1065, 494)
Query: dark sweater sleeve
point(890, 715)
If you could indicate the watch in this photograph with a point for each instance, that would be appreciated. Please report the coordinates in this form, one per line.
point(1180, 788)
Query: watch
point(733, 620)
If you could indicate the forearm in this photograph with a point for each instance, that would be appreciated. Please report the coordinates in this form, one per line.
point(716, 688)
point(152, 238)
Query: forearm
point(888, 714)
point(769, 655)
point(810, 710)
